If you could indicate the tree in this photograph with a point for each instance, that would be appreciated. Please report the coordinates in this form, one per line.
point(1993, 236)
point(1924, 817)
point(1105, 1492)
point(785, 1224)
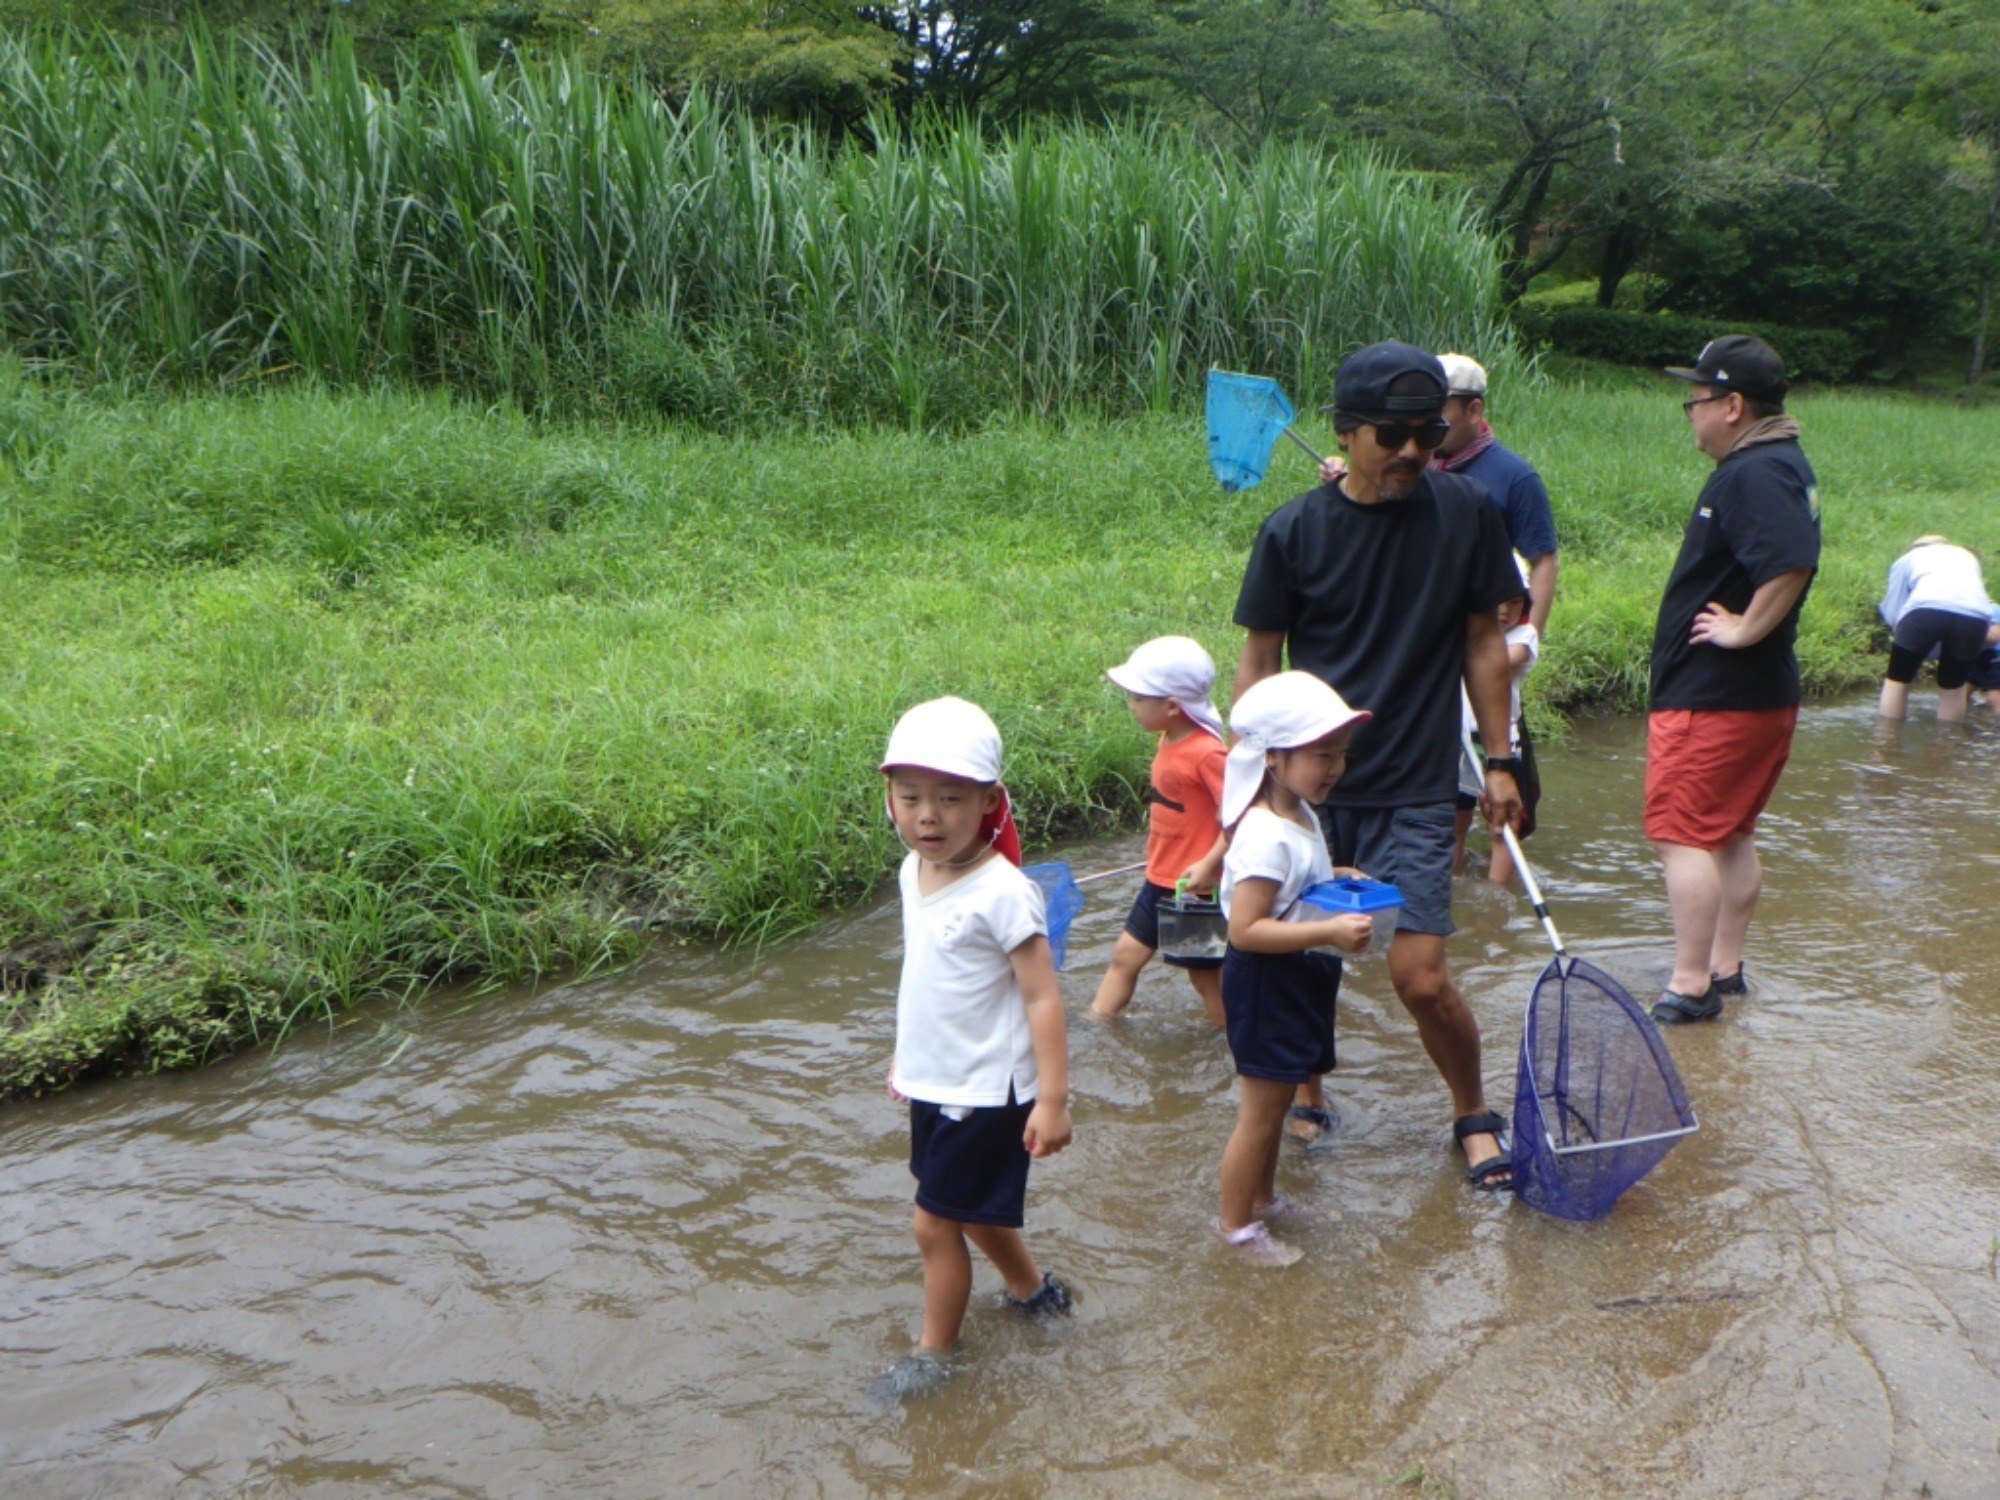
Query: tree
point(1012, 58)
point(791, 59)
point(1960, 94)
point(1263, 68)
point(1543, 90)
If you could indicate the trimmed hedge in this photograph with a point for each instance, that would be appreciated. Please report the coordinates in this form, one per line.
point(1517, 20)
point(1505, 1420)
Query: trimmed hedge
point(1657, 339)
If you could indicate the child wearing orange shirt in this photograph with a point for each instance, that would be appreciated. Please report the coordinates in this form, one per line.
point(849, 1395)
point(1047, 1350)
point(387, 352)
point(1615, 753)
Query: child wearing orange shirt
point(1168, 681)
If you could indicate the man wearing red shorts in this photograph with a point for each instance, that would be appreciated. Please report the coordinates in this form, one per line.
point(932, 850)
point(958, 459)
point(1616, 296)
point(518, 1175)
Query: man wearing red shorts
point(1725, 675)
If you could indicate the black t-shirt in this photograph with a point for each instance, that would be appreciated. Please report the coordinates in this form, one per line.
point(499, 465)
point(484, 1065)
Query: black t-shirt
point(1373, 601)
point(1757, 517)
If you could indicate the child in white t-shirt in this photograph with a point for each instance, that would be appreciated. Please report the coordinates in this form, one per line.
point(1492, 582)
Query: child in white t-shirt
point(1292, 737)
point(981, 1047)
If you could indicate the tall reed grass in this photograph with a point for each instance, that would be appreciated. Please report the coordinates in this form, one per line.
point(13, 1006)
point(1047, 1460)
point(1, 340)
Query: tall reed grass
point(546, 234)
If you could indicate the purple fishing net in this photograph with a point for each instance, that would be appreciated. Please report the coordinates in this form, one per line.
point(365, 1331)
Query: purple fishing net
point(1597, 1102)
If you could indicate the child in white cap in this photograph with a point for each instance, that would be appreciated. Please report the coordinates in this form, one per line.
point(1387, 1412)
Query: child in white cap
point(1292, 737)
point(1524, 648)
point(981, 1048)
point(1168, 681)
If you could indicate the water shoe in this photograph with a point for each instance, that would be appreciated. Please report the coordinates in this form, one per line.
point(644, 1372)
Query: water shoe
point(1253, 1243)
point(1311, 1126)
point(1051, 1299)
point(1673, 1007)
point(915, 1374)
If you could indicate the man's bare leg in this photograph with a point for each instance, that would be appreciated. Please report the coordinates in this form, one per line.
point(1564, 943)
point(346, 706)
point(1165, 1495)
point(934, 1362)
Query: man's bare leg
point(1742, 877)
point(1445, 1025)
point(1694, 895)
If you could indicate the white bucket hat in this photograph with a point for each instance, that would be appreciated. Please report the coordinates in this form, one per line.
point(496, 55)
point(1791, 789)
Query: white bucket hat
point(948, 735)
point(1172, 666)
point(1278, 713)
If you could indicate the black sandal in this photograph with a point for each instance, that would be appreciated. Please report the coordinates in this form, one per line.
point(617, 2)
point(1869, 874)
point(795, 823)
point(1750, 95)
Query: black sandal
point(1481, 1176)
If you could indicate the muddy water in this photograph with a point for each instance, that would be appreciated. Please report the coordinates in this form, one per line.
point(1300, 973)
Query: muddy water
point(648, 1235)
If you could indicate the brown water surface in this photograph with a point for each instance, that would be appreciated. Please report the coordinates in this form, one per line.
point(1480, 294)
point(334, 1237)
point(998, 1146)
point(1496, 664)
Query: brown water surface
point(648, 1235)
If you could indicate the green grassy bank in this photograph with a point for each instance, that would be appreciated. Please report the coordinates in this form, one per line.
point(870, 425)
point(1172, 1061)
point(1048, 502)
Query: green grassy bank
point(307, 699)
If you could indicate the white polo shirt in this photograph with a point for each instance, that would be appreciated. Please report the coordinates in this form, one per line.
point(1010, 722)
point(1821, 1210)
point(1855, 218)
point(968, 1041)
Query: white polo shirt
point(961, 1024)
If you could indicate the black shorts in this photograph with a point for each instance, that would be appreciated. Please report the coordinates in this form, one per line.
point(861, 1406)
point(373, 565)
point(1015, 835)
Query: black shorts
point(1959, 640)
point(1143, 922)
point(975, 1170)
point(1985, 673)
point(1279, 1008)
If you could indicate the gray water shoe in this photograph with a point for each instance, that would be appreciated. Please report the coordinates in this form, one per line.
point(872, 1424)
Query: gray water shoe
point(915, 1374)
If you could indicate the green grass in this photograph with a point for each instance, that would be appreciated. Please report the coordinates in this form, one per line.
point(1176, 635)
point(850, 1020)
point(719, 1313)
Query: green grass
point(311, 699)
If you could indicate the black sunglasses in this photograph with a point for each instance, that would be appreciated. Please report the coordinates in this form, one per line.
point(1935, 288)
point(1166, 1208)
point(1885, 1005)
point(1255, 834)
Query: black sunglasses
point(1396, 434)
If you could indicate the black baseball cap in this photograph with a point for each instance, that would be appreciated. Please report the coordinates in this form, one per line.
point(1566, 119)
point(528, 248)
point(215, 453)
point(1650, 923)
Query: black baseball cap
point(1738, 362)
point(1363, 383)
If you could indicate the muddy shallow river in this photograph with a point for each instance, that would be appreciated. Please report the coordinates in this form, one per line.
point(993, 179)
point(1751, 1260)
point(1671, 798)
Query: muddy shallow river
point(648, 1235)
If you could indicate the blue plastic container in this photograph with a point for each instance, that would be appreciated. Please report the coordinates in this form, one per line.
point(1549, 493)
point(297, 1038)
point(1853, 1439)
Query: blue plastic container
point(1352, 894)
point(1375, 899)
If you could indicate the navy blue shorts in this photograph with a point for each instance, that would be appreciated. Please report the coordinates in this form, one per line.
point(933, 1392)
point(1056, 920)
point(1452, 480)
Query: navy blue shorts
point(1409, 847)
point(1143, 922)
point(975, 1170)
point(1985, 674)
point(1280, 1013)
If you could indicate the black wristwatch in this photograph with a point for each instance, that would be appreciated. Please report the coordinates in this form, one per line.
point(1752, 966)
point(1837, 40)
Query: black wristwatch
point(1511, 764)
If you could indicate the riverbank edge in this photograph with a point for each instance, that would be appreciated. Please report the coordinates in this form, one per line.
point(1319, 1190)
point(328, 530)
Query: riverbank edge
point(535, 823)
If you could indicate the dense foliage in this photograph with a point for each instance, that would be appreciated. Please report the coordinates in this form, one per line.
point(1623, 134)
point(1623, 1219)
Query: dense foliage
point(1834, 165)
point(537, 231)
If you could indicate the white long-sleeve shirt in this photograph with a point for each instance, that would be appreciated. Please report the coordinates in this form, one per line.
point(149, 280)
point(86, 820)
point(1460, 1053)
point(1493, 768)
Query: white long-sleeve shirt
point(1936, 575)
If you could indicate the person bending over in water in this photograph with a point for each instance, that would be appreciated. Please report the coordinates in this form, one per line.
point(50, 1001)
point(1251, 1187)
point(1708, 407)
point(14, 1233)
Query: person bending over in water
point(981, 1048)
point(1936, 603)
point(1293, 731)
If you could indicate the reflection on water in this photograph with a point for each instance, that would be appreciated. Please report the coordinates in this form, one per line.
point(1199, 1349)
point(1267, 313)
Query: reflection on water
point(648, 1235)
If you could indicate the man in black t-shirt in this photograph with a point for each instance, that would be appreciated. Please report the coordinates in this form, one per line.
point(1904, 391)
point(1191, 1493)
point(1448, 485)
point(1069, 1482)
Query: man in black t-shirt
point(1384, 583)
point(1725, 674)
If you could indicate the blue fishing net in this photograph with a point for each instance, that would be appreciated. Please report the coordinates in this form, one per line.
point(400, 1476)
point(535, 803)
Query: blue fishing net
point(1246, 413)
point(1597, 1102)
point(1061, 900)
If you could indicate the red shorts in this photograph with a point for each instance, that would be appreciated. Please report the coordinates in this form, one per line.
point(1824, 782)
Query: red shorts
point(1709, 772)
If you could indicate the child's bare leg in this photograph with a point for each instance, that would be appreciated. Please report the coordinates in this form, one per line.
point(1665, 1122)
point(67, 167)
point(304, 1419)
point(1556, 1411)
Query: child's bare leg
point(1208, 984)
point(1114, 990)
point(1008, 1250)
point(1895, 699)
point(1993, 699)
point(1951, 703)
point(1500, 868)
point(1250, 1160)
point(1461, 824)
point(947, 1279)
